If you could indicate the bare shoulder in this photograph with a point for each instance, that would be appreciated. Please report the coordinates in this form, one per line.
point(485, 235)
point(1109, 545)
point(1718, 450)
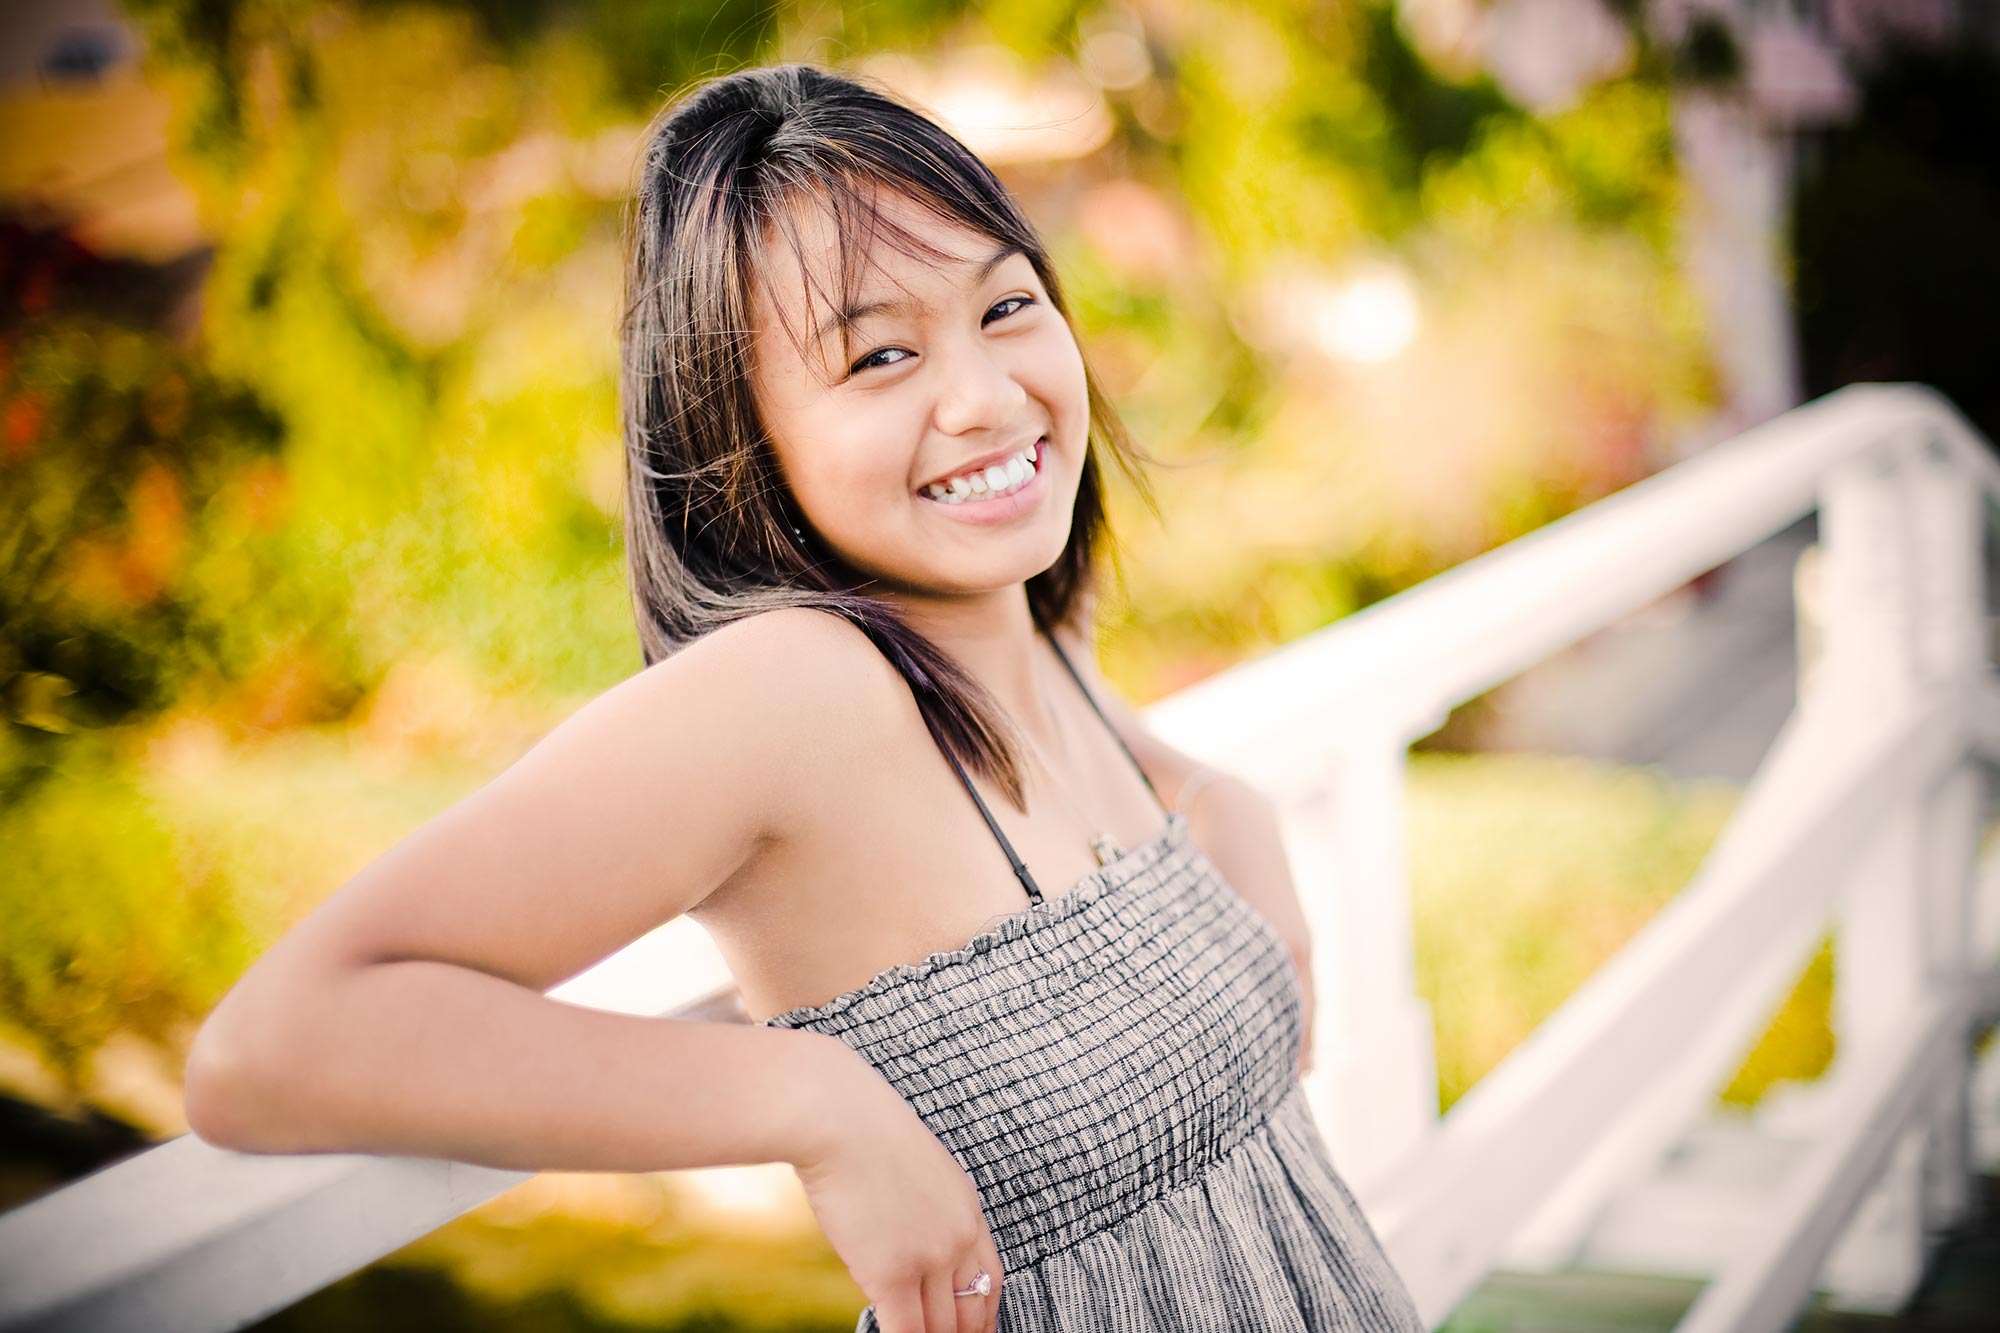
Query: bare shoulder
point(811, 658)
point(807, 691)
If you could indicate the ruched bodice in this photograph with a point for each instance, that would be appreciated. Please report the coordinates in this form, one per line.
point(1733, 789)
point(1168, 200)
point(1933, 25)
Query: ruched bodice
point(1115, 1067)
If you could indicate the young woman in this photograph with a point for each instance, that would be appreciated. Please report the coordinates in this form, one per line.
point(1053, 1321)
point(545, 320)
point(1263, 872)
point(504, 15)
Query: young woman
point(1033, 1057)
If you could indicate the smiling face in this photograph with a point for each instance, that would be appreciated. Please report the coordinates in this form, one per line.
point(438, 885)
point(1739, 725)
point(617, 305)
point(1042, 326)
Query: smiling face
point(952, 365)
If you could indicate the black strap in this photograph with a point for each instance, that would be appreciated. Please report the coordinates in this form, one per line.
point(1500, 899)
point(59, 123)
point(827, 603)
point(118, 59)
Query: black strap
point(1107, 723)
point(1020, 866)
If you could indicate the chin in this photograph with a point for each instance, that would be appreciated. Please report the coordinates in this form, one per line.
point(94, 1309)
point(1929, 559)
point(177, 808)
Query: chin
point(1005, 571)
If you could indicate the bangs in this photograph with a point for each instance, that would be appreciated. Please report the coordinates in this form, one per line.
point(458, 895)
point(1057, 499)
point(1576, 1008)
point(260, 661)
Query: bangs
point(855, 203)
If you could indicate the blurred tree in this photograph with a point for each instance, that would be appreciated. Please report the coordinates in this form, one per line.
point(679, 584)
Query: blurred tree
point(1893, 231)
point(396, 236)
point(114, 440)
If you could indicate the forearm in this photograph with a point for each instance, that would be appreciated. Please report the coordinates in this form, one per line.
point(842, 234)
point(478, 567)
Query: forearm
point(420, 1058)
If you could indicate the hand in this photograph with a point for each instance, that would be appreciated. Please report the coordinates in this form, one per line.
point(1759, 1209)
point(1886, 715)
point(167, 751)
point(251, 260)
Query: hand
point(898, 1209)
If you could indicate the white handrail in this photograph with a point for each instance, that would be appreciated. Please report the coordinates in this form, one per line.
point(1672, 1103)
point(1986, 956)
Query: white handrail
point(1764, 1289)
point(1400, 666)
point(1295, 717)
point(186, 1237)
point(1407, 661)
point(1770, 879)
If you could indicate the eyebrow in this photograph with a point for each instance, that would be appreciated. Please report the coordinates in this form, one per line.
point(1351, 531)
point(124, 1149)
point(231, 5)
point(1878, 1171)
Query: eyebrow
point(980, 272)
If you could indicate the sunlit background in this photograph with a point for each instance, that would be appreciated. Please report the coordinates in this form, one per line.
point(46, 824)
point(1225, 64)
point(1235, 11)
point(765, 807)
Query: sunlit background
point(309, 473)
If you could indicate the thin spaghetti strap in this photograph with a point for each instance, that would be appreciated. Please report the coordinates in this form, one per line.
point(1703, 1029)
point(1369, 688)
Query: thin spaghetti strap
point(1105, 720)
point(1020, 866)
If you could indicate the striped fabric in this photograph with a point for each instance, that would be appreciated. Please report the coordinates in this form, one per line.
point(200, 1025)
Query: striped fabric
point(1115, 1069)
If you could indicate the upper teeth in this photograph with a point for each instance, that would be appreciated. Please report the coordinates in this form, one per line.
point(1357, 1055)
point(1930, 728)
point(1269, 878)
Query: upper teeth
point(1001, 478)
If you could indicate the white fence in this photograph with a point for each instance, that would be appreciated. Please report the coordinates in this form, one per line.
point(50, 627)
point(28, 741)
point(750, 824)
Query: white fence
point(1865, 815)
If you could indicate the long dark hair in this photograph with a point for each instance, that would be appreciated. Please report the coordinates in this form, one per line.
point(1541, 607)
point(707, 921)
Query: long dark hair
point(711, 534)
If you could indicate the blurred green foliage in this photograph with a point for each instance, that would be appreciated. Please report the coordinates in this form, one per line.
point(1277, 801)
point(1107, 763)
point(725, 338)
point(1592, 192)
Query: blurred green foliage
point(125, 470)
point(111, 926)
point(1529, 872)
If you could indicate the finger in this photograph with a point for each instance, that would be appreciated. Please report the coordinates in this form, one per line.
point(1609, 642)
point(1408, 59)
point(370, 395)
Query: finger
point(940, 1306)
point(992, 1265)
point(973, 1312)
point(901, 1309)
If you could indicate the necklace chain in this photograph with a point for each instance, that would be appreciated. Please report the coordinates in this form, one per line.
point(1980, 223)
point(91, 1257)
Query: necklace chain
point(1102, 844)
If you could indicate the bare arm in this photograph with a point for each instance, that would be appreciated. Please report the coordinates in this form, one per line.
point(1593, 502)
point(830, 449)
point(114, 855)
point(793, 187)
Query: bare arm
point(428, 1059)
point(405, 1015)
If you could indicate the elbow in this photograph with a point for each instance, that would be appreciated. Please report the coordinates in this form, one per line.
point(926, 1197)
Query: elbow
point(227, 1090)
point(209, 1092)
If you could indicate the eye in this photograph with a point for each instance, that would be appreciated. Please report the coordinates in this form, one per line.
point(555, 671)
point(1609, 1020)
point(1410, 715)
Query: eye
point(869, 362)
point(1014, 300)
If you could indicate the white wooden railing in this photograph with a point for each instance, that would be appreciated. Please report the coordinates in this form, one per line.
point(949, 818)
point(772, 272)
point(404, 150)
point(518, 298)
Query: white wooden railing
point(1864, 816)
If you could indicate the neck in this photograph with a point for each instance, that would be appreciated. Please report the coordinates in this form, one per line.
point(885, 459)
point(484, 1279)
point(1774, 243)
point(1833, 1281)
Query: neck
point(993, 637)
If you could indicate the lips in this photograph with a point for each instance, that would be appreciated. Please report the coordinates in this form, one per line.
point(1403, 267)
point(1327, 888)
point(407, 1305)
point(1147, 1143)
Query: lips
point(990, 510)
point(980, 464)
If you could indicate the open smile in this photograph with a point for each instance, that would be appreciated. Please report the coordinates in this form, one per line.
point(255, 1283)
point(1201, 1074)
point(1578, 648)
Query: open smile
point(995, 495)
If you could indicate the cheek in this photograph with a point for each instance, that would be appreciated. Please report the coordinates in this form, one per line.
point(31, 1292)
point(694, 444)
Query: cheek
point(1072, 395)
point(1066, 357)
point(835, 454)
point(857, 468)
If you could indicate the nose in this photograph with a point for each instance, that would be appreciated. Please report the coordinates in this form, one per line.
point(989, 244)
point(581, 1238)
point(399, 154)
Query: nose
point(976, 389)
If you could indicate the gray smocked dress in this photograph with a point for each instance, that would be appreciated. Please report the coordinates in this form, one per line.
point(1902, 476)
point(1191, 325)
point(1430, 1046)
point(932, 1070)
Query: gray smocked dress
point(1115, 1068)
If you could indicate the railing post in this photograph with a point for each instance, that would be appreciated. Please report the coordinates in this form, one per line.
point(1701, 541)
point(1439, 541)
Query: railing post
point(1900, 580)
point(1373, 1087)
point(1952, 654)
